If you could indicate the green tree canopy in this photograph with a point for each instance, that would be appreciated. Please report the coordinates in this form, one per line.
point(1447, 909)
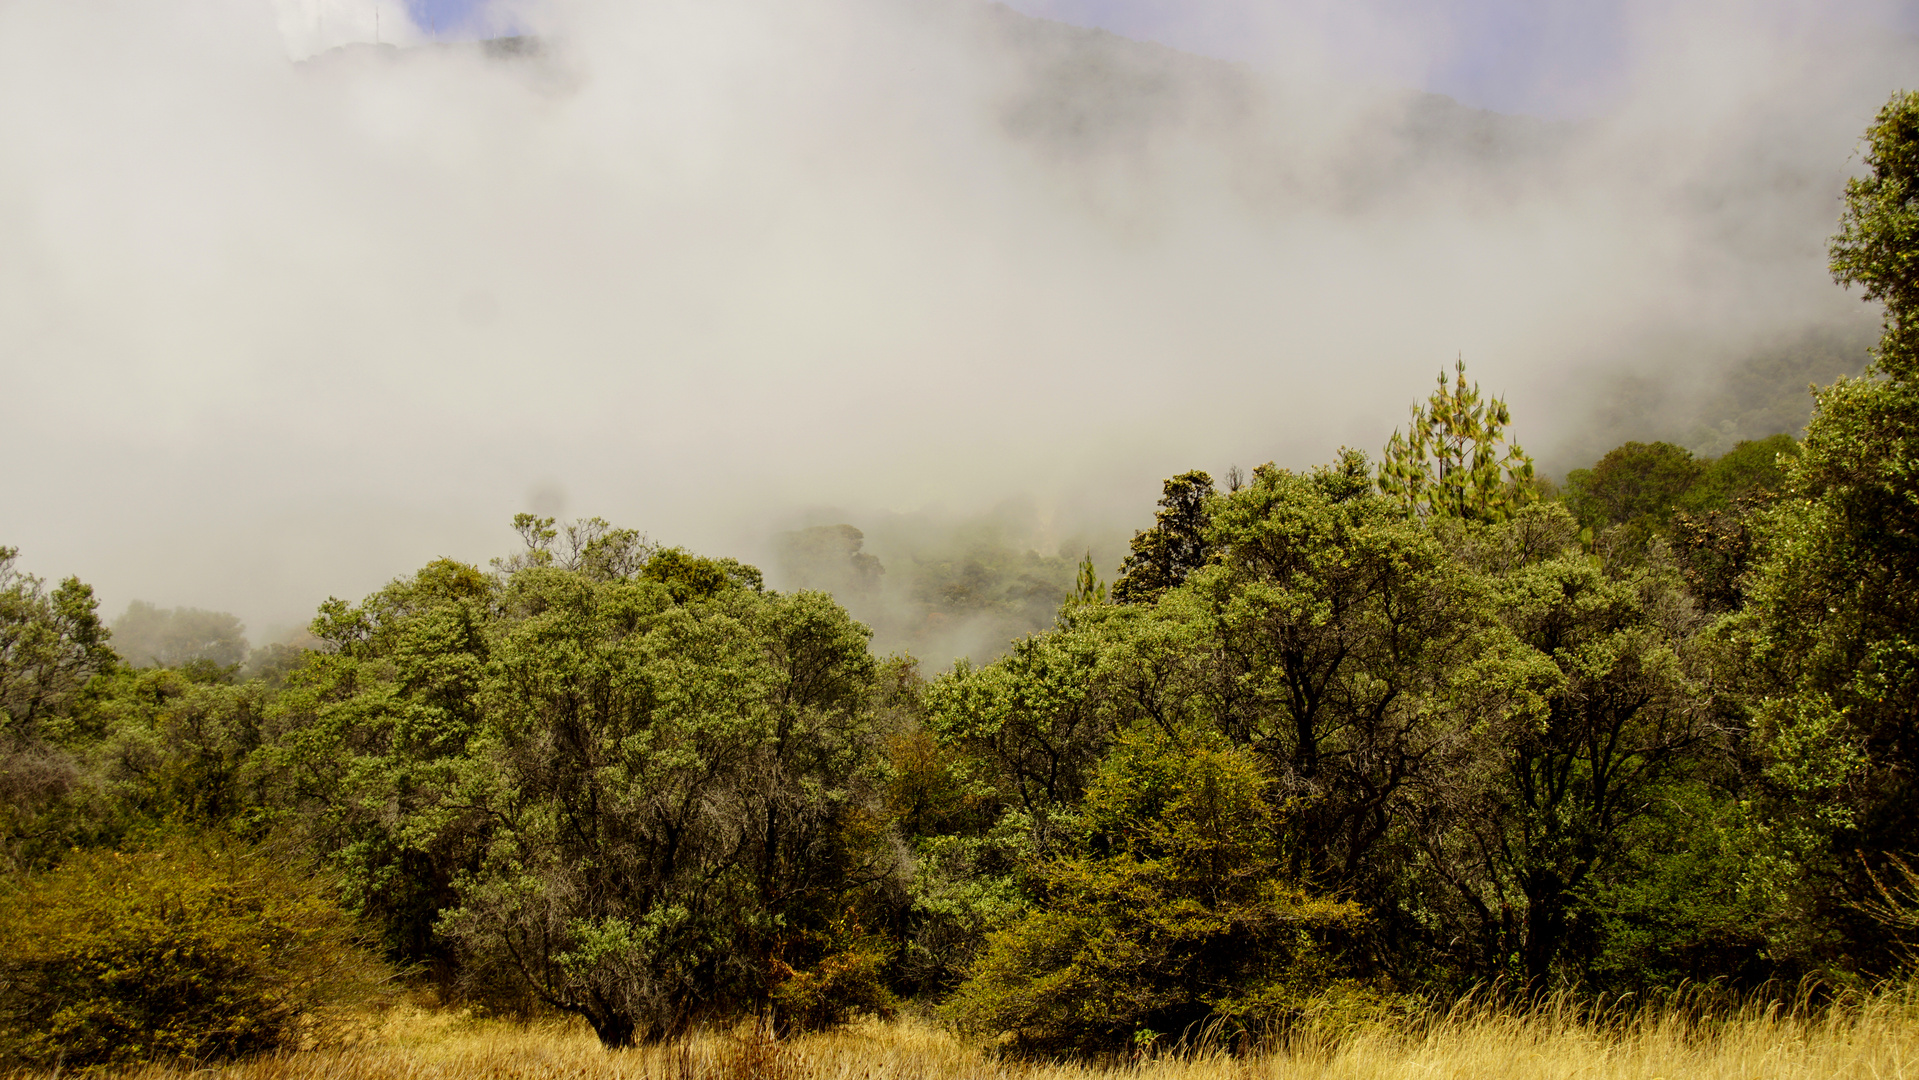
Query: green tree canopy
point(1449, 463)
point(1833, 654)
point(52, 643)
point(1174, 547)
point(1877, 246)
point(1633, 481)
point(1173, 908)
point(1751, 470)
point(646, 798)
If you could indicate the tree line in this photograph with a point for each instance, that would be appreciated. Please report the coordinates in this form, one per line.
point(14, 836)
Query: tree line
point(1334, 742)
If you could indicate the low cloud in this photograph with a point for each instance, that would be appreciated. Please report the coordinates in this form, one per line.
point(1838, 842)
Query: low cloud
point(280, 320)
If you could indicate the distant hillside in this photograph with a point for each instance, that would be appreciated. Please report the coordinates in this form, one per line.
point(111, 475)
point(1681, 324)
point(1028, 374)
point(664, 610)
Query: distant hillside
point(1089, 89)
point(1765, 392)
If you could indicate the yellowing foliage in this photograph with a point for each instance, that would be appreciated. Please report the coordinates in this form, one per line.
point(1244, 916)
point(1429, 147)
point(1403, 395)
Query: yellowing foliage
point(189, 949)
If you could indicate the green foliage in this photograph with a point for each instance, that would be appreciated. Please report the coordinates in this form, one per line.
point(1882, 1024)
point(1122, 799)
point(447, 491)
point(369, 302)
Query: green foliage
point(965, 887)
point(1703, 509)
point(169, 747)
point(1089, 589)
point(1714, 552)
point(188, 949)
point(680, 790)
point(1635, 482)
point(1833, 689)
point(591, 547)
point(1343, 733)
point(1688, 899)
point(52, 644)
point(1173, 910)
point(1449, 462)
point(690, 577)
point(1877, 246)
point(1174, 547)
point(1715, 529)
point(638, 798)
point(1836, 670)
point(1599, 715)
point(1751, 470)
point(1339, 632)
point(378, 730)
point(642, 797)
point(1032, 720)
point(967, 856)
point(1469, 716)
point(931, 788)
point(275, 663)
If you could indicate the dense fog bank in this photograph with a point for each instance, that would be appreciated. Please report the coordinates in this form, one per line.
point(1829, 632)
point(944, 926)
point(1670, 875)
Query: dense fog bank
point(277, 318)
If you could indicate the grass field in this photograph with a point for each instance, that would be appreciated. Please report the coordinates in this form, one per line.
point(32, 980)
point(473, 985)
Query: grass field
point(1876, 1038)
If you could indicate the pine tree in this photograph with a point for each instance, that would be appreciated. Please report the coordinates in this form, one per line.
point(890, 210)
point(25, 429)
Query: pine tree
point(1090, 589)
point(1449, 464)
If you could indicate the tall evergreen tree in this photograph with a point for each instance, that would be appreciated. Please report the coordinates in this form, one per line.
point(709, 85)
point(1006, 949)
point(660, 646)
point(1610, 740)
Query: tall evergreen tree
point(1449, 464)
point(1174, 547)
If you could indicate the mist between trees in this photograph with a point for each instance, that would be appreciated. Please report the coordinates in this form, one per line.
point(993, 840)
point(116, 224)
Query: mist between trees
point(939, 587)
point(1332, 746)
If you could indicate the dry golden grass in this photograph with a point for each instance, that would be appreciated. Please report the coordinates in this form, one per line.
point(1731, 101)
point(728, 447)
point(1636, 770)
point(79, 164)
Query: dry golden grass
point(1876, 1038)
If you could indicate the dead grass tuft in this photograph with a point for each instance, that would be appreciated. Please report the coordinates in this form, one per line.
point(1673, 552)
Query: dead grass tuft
point(1870, 1038)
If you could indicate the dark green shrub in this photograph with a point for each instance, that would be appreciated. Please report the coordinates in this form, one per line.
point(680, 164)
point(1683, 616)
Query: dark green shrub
point(189, 948)
point(1636, 484)
point(1175, 917)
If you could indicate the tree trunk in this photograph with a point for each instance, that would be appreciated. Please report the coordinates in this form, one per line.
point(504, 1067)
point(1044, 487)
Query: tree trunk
point(615, 1031)
point(1545, 926)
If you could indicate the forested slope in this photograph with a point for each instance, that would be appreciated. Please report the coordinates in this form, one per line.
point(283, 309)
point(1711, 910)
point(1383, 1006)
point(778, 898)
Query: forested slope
point(1332, 743)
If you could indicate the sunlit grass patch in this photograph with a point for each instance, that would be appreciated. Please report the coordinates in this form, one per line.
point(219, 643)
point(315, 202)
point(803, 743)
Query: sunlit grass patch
point(1872, 1038)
